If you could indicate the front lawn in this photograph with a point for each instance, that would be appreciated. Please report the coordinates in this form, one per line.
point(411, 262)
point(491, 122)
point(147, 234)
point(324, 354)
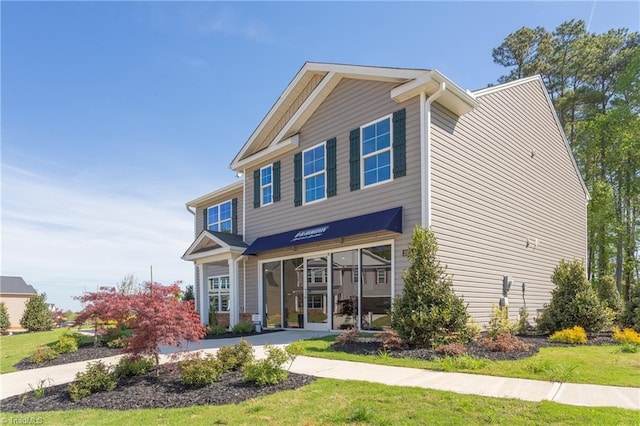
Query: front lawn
point(20, 346)
point(329, 401)
point(601, 365)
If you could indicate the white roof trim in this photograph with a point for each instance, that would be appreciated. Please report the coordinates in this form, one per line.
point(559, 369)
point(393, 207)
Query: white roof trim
point(219, 253)
point(488, 90)
point(269, 152)
point(224, 247)
point(222, 192)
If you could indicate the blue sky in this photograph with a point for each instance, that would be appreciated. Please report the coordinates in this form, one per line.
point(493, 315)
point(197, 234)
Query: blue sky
point(114, 114)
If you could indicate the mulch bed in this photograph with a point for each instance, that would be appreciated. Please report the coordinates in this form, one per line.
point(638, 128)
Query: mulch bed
point(372, 346)
point(84, 353)
point(151, 391)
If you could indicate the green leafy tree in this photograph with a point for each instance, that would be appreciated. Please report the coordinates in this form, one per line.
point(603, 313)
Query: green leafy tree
point(37, 316)
point(188, 294)
point(608, 294)
point(574, 302)
point(4, 317)
point(428, 312)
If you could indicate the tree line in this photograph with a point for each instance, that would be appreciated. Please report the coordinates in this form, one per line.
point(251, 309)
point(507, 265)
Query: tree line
point(594, 83)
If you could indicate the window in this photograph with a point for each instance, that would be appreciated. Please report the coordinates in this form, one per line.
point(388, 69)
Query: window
point(219, 293)
point(219, 217)
point(314, 176)
point(376, 151)
point(355, 274)
point(314, 301)
point(381, 276)
point(317, 275)
point(266, 184)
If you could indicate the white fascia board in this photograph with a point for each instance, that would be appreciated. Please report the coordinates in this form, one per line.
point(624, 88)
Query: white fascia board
point(492, 89)
point(222, 253)
point(367, 72)
point(268, 153)
point(218, 193)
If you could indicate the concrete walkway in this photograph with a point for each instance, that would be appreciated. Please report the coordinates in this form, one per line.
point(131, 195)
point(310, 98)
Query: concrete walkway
point(500, 387)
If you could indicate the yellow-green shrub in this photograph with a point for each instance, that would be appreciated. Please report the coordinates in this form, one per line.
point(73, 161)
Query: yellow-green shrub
point(570, 335)
point(626, 335)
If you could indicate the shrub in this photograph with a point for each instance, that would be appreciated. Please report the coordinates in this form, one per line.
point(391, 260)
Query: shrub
point(116, 337)
point(118, 342)
point(235, 357)
point(523, 326)
point(350, 335)
point(505, 343)
point(43, 354)
point(36, 316)
point(575, 335)
point(66, 344)
point(474, 330)
point(216, 330)
point(428, 312)
point(130, 366)
point(573, 301)
point(452, 349)
point(391, 340)
point(4, 318)
point(269, 371)
point(97, 377)
point(629, 348)
point(198, 371)
point(242, 328)
point(499, 322)
point(631, 316)
point(608, 294)
point(462, 362)
point(626, 335)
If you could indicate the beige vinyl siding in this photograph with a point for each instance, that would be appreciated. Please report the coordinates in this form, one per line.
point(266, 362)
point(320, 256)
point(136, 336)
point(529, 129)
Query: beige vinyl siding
point(352, 104)
point(199, 216)
point(489, 195)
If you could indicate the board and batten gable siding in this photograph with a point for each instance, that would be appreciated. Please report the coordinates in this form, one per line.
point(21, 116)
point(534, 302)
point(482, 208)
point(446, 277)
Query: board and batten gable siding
point(502, 175)
point(350, 105)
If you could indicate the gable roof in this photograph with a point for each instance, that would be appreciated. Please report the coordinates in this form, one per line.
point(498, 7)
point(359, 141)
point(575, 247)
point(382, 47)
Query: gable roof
point(538, 78)
point(277, 132)
point(213, 243)
point(15, 285)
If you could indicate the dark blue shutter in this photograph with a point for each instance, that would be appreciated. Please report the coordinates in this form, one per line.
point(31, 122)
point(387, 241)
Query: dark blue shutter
point(332, 184)
point(234, 216)
point(399, 144)
point(204, 218)
point(276, 181)
point(354, 159)
point(297, 179)
point(256, 189)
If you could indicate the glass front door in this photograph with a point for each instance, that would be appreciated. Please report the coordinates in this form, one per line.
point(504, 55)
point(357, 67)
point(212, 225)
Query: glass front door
point(316, 302)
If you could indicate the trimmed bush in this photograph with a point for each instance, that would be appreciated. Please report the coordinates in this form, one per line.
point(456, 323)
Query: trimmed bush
point(505, 343)
point(573, 302)
point(575, 335)
point(130, 366)
point(499, 323)
point(198, 371)
point(626, 335)
point(5, 323)
point(391, 340)
point(428, 312)
point(97, 377)
point(233, 358)
point(36, 316)
point(269, 371)
point(43, 354)
point(350, 335)
point(216, 330)
point(452, 349)
point(66, 344)
point(242, 328)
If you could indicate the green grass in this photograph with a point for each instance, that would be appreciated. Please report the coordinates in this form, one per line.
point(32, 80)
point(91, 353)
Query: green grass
point(601, 365)
point(329, 401)
point(19, 346)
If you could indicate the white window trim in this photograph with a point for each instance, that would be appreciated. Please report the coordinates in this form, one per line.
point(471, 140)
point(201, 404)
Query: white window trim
point(378, 276)
point(390, 149)
point(262, 187)
point(208, 224)
point(219, 292)
point(324, 172)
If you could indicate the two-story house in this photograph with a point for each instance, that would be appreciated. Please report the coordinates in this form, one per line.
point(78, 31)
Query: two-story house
point(349, 160)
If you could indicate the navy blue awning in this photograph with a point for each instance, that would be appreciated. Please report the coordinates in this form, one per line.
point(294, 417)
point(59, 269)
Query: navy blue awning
point(386, 220)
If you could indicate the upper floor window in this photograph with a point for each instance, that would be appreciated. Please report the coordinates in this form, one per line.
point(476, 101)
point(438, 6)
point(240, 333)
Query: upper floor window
point(314, 173)
point(266, 184)
point(376, 151)
point(381, 276)
point(219, 217)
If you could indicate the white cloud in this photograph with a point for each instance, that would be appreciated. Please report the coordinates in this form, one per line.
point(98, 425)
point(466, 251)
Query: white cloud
point(67, 237)
point(229, 24)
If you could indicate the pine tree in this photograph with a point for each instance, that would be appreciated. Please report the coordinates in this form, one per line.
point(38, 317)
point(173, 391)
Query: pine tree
point(4, 317)
point(37, 316)
point(428, 312)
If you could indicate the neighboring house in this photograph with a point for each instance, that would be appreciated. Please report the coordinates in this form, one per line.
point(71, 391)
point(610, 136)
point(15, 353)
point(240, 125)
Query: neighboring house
point(15, 292)
point(349, 160)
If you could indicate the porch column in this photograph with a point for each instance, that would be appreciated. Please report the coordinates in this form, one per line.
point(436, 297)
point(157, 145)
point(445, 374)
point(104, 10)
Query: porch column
point(234, 306)
point(204, 296)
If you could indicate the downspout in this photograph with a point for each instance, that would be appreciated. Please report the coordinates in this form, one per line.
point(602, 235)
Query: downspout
point(425, 145)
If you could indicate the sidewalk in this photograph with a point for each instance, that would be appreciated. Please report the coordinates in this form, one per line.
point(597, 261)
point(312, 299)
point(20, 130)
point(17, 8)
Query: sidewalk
point(500, 387)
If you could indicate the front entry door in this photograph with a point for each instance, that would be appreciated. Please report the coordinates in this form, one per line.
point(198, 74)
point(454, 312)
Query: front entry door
point(316, 302)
